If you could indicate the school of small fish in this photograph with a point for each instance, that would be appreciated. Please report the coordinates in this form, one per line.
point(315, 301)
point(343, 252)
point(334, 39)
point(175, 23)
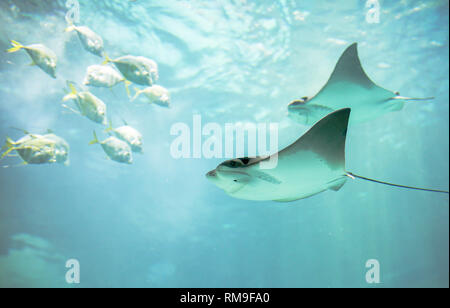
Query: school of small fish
point(124, 140)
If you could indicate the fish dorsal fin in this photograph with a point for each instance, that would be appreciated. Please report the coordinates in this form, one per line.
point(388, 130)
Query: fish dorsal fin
point(326, 138)
point(349, 69)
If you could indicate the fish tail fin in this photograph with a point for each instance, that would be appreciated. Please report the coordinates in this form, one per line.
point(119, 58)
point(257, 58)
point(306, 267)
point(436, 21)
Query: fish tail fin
point(110, 127)
point(8, 147)
point(127, 87)
point(107, 59)
point(72, 93)
point(68, 97)
point(355, 176)
point(70, 27)
point(72, 88)
point(16, 47)
point(95, 140)
point(71, 110)
point(136, 95)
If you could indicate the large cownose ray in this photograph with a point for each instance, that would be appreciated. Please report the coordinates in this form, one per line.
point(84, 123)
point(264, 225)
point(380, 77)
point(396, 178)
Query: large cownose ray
point(348, 87)
point(313, 164)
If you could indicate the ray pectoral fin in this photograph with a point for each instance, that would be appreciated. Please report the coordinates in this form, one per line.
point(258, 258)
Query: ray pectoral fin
point(326, 138)
point(349, 69)
point(337, 184)
point(288, 200)
point(267, 177)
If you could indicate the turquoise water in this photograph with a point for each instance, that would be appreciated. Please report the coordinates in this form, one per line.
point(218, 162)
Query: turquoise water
point(159, 222)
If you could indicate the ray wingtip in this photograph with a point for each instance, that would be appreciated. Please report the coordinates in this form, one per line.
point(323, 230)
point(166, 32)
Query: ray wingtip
point(353, 47)
point(345, 111)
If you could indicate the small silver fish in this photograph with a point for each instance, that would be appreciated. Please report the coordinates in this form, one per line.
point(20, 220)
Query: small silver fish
point(39, 149)
point(155, 95)
point(116, 149)
point(139, 70)
point(90, 40)
point(130, 135)
point(104, 76)
point(41, 56)
point(88, 105)
point(61, 149)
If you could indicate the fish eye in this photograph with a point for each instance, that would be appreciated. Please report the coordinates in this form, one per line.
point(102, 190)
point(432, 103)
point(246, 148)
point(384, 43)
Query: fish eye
point(305, 98)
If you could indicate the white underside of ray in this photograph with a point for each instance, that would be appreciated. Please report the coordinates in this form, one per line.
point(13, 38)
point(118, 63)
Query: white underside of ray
point(297, 176)
point(365, 103)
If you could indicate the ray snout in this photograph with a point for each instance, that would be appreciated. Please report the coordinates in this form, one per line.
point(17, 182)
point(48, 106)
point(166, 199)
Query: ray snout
point(211, 173)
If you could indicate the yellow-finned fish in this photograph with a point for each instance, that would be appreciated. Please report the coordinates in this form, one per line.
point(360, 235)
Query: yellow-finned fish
point(88, 105)
point(128, 134)
point(116, 149)
point(61, 148)
point(41, 56)
point(104, 76)
point(90, 40)
point(39, 149)
point(155, 95)
point(140, 70)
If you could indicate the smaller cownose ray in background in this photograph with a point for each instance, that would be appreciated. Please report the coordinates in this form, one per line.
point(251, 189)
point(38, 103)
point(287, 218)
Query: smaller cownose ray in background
point(348, 87)
point(313, 164)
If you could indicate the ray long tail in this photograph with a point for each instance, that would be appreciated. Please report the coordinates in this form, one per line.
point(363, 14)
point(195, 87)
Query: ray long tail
point(404, 98)
point(353, 176)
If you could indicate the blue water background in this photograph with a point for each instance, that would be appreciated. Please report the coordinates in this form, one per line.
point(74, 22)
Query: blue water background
point(159, 222)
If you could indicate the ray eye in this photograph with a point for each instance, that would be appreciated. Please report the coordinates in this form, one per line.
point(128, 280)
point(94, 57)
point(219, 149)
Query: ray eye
point(304, 98)
point(233, 164)
point(245, 160)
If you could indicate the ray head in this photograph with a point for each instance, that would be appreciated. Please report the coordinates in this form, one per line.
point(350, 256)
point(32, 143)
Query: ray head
point(232, 175)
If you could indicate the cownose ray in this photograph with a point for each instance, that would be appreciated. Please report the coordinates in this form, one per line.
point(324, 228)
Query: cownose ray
point(313, 164)
point(348, 87)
